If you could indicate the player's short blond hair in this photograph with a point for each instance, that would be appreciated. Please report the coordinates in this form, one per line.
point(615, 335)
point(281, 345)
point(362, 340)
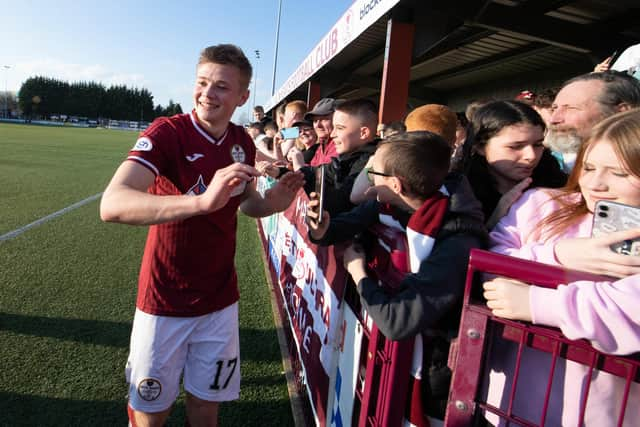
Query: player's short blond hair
point(228, 54)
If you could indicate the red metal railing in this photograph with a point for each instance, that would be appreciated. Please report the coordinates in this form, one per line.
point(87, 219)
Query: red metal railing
point(479, 328)
point(382, 386)
point(381, 394)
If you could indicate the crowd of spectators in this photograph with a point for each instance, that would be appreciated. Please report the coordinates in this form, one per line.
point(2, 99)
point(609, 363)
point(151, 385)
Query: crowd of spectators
point(518, 176)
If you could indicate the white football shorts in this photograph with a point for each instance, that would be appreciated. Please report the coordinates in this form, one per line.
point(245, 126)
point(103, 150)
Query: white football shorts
point(205, 350)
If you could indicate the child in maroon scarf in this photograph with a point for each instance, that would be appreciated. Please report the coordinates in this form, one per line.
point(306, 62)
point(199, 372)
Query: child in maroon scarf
point(442, 220)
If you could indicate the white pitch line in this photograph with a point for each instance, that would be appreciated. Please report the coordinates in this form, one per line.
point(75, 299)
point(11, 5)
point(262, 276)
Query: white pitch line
point(17, 232)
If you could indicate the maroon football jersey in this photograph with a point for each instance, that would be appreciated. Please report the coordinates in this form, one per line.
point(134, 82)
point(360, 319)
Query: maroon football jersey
point(187, 268)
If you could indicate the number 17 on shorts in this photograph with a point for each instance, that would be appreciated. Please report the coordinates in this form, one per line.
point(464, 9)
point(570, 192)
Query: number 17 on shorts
point(203, 350)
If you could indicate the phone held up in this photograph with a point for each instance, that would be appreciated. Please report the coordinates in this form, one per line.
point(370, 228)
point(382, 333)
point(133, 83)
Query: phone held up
point(290, 133)
point(610, 217)
point(319, 189)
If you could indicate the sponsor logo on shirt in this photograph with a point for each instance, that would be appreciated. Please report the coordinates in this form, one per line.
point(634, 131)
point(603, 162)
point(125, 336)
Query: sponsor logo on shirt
point(194, 157)
point(143, 144)
point(237, 154)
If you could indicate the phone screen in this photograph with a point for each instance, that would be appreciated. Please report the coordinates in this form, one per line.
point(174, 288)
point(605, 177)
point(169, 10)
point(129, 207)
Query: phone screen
point(320, 189)
point(290, 133)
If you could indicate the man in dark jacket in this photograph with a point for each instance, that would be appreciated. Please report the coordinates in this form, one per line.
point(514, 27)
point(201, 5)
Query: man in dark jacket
point(443, 222)
point(354, 133)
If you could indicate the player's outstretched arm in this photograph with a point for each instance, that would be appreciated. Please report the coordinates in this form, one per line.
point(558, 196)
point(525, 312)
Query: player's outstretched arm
point(126, 200)
point(275, 199)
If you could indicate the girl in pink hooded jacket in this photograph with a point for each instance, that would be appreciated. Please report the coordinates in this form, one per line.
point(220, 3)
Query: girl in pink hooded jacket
point(554, 227)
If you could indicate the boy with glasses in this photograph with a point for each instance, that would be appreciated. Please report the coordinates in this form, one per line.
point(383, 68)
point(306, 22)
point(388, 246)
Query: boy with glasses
point(443, 221)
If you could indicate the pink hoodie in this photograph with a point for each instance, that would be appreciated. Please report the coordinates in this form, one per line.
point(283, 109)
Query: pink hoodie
point(605, 313)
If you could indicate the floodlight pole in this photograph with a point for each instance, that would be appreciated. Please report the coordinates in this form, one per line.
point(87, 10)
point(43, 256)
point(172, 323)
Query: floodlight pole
point(6, 91)
point(255, 79)
point(275, 56)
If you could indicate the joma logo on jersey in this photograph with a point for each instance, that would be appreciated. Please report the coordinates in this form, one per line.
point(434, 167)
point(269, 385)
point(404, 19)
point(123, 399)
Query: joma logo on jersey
point(198, 188)
point(194, 157)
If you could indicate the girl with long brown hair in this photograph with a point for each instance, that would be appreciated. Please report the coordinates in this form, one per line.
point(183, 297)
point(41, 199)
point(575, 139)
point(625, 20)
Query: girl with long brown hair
point(554, 227)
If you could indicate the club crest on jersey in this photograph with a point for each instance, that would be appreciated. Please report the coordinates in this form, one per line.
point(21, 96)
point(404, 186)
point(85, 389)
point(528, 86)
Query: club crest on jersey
point(149, 389)
point(237, 154)
point(143, 144)
point(198, 188)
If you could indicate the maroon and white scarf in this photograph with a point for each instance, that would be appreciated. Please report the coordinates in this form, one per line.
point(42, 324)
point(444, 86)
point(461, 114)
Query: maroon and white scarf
point(421, 229)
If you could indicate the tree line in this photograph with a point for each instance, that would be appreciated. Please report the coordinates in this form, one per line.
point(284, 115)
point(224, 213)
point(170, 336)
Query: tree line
point(44, 96)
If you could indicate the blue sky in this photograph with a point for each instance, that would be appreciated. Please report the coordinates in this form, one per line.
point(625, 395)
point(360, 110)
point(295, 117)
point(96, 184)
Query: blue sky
point(155, 44)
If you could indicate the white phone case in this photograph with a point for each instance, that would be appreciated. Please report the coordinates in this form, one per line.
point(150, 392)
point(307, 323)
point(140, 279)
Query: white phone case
point(610, 217)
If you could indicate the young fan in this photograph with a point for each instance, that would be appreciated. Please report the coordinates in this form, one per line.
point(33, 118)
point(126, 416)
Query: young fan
point(354, 137)
point(554, 227)
point(442, 220)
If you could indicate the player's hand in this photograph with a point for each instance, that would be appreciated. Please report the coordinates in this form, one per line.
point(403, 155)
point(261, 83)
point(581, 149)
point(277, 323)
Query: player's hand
point(594, 254)
point(267, 168)
point(354, 261)
point(508, 298)
point(505, 202)
point(316, 229)
point(223, 184)
point(282, 194)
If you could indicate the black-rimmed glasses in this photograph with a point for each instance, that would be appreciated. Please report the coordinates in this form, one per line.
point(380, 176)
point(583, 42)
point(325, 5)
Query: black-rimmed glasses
point(372, 172)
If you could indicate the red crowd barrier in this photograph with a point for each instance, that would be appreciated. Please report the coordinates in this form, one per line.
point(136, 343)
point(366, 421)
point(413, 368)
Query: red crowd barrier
point(479, 329)
point(369, 384)
point(382, 367)
point(383, 390)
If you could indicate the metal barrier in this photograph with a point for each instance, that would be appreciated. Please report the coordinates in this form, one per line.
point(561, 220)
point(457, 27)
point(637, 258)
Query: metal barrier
point(479, 330)
point(382, 371)
point(382, 392)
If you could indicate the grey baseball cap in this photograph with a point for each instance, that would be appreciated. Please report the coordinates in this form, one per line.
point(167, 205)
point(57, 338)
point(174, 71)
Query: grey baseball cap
point(323, 107)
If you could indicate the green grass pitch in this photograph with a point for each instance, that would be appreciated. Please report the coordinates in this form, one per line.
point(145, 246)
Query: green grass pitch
point(67, 291)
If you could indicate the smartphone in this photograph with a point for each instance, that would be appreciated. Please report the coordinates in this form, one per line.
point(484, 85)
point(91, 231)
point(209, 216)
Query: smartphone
point(290, 133)
point(614, 57)
point(609, 217)
point(320, 172)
